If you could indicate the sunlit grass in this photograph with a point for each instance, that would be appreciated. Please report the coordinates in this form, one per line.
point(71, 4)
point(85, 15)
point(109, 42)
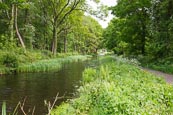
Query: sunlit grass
point(49, 65)
point(120, 88)
point(16, 60)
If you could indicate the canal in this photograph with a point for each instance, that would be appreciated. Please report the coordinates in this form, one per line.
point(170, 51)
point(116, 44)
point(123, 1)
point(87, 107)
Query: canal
point(37, 87)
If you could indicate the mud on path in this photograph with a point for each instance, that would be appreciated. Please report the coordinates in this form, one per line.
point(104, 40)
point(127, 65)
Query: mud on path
point(167, 77)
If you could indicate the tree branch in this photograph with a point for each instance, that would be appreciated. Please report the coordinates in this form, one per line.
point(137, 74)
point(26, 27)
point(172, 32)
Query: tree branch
point(62, 9)
point(72, 8)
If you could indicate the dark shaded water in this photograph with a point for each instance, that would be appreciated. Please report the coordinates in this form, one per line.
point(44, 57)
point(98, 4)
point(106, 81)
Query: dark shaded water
point(37, 87)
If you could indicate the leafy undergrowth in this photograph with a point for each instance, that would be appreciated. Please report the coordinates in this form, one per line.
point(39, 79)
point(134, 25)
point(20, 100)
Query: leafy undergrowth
point(17, 60)
point(164, 64)
point(167, 68)
point(119, 88)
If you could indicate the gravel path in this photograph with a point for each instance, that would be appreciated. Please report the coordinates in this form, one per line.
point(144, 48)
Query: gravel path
point(167, 77)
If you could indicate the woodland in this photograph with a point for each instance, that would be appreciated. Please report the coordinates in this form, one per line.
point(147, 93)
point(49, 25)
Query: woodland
point(55, 25)
point(33, 30)
point(43, 35)
point(138, 28)
point(142, 29)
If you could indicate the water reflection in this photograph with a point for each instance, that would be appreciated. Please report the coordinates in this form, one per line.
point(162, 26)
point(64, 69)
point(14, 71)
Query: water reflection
point(37, 87)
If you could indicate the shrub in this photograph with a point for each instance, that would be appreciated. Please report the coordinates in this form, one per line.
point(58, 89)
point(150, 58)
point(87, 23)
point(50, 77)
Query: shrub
point(47, 54)
point(89, 75)
point(10, 60)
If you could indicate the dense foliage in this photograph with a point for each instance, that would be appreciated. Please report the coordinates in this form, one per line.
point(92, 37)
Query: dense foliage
point(55, 25)
point(141, 28)
point(119, 88)
point(34, 30)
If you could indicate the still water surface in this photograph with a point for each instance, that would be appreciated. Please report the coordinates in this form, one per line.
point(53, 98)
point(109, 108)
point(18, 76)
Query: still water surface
point(37, 87)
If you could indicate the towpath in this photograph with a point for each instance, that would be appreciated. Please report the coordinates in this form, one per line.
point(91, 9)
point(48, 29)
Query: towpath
point(167, 77)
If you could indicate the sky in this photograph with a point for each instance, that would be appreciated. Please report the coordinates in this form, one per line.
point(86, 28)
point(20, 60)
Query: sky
point(108, 3)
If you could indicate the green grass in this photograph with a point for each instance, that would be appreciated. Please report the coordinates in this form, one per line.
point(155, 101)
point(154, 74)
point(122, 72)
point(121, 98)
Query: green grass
point(17, 60)
point(167, 68)
point(160, 64)
point(5, 70)
point(48, 65)
point(119, 88)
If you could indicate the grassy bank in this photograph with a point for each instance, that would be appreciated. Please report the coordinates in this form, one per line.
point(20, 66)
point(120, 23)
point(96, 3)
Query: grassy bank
point(49, 65)
point(164, 64)
point(119, 88)
point(166, 68)
point(34, 61)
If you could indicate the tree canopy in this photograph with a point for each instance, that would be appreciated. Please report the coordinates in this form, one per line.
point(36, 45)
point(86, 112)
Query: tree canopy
point(55, 25)
point(141, 27)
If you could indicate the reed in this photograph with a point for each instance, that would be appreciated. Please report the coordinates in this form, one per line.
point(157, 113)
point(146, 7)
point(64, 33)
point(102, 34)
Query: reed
point(49, 65)
point(4, 108)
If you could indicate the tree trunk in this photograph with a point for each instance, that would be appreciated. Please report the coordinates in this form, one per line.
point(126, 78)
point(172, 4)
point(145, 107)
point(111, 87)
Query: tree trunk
point(143, 39)
point(65, 41)
point(144, 31)
point(17, 30)
point(12, 24)
point(65, 44)
point(26, 16)
point(54, 39)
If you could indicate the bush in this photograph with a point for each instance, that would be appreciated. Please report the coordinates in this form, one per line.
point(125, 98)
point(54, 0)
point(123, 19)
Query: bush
point(164, 65)
point(10, 60)
point(89, 75)
point(47, 54)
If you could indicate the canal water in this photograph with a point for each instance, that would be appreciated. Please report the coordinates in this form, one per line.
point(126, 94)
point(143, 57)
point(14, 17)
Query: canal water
point(37, 87)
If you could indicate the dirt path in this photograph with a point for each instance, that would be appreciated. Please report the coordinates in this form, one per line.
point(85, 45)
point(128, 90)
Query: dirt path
point(167, 77)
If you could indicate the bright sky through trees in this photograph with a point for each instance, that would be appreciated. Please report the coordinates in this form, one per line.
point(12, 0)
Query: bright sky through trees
point(108, 3)
point(104, 23)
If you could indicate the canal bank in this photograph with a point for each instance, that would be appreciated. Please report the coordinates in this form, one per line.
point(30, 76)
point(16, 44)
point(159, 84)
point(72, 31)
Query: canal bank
point(37, 87)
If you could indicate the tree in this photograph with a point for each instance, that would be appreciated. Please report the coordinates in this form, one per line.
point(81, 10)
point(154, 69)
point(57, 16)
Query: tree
point(134, 29)
point(58, 10)
point(42, 24)
point(11, 15)
point(112, 35)
point(161, 28)
point(89, 35)
point(82, 34)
